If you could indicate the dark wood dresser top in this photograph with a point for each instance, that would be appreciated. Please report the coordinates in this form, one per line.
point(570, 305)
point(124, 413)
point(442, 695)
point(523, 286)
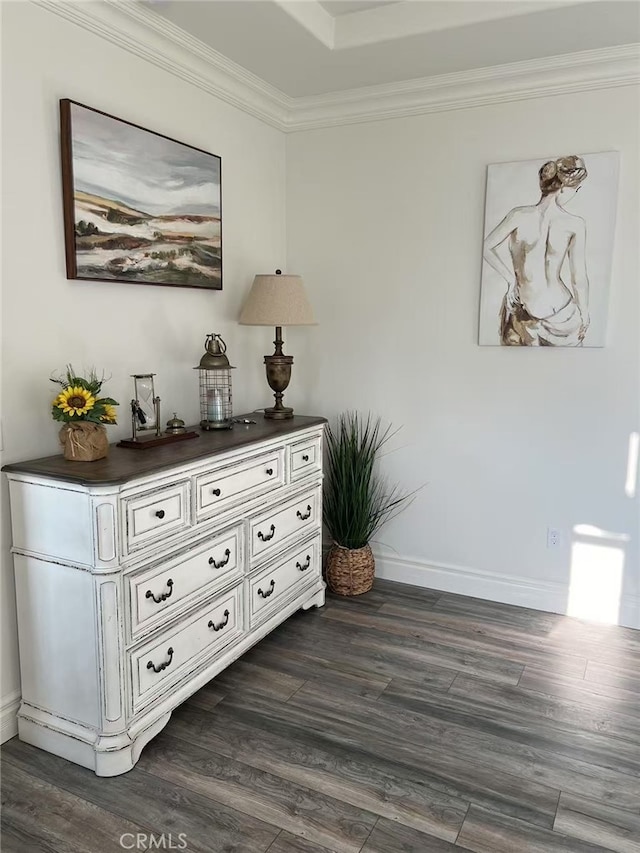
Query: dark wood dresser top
point(123, 464)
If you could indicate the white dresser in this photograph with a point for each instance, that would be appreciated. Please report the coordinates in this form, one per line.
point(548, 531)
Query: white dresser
point(142, 576)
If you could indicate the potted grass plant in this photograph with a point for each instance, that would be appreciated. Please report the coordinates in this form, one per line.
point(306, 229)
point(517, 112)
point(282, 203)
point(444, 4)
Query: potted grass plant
point(357, 500)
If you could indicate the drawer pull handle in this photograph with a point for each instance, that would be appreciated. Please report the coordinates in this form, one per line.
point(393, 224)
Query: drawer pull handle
point(306, 515)
point(304, 566)
point(269, 472)
point(267, 536)
point(305, 458)
point(222, 624)
point(269, 592)
point(227, 555)
point(151, 664)
point(163, 595)
point(160, 513)
point(215, 492)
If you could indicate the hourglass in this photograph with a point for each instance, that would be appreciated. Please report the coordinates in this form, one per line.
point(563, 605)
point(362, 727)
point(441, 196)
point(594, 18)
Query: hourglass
point(145, 405)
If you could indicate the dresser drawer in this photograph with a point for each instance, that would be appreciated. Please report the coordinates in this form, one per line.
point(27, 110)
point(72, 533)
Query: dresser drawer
point(270, 589)
point(161, 662)
point(217, 489)
point(155, 515)
point(305, 458)
point(272, 529)
point(164, 590)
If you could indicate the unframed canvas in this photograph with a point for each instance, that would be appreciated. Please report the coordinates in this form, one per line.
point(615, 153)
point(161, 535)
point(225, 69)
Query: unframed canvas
point(547, 251)
point(138, 207)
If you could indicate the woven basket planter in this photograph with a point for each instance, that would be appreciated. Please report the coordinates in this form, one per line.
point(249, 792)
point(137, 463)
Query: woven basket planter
point(350, 571)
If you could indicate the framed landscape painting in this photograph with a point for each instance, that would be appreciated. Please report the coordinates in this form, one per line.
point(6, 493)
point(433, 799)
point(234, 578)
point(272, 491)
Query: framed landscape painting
point(139, 207)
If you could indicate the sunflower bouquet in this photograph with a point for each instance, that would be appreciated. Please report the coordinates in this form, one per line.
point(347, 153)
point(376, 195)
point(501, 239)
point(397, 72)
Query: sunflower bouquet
point(80, 399)
point(85, 413)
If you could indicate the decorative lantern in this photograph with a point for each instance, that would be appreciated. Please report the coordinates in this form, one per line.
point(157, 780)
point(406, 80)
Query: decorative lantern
point(215, 385)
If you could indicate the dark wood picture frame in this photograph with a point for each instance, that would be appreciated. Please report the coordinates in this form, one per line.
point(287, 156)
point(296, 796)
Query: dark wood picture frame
point(139, 207)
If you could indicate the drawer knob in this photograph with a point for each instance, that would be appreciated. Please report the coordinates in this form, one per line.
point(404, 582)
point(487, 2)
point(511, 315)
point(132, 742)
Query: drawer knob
point(304, 566)
point(306, 515)
point(305, 457)
point(215, 492)
point(227, 555)
point(269, 592)
point(163, 595)
point(267, 536)
point(160, 513)
point(164, 665)
point(269, 472)
point(220, 625)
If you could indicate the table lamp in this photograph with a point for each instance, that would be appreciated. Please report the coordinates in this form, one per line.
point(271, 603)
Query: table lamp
point(277, 300)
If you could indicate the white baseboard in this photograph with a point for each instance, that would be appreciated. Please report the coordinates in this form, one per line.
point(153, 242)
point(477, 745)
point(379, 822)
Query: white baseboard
point(9, 705)
point(630, 612)
point(507, 589)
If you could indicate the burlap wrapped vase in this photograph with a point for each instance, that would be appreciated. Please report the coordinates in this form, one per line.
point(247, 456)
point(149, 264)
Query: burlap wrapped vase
point(84, 441)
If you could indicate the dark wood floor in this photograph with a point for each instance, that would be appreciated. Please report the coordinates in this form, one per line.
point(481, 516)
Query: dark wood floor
point(402, 721)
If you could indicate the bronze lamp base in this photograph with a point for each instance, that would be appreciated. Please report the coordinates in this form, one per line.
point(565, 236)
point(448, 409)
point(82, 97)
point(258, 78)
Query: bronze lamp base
point(278, 367)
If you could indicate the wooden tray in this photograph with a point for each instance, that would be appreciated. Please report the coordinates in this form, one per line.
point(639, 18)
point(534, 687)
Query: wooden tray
point(144, 442)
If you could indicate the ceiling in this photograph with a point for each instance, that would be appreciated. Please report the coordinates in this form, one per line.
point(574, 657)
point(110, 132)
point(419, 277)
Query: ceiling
point(345, 7)
point(306, 48)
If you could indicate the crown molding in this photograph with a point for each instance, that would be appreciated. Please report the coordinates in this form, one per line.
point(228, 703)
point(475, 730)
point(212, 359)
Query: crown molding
point(151, 37)
point(557, 75)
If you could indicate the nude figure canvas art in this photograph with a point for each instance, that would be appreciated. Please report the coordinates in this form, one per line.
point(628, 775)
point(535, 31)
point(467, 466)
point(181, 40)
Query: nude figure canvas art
point(548, 244)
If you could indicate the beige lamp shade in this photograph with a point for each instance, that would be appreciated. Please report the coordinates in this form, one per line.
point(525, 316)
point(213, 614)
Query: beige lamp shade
point(277, 300)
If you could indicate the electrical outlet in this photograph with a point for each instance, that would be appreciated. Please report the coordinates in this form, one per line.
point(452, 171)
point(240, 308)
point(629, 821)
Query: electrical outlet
point(554, 537)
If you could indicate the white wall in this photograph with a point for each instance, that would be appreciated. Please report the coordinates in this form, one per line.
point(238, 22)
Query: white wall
point(48, 321)
point(385, 221)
